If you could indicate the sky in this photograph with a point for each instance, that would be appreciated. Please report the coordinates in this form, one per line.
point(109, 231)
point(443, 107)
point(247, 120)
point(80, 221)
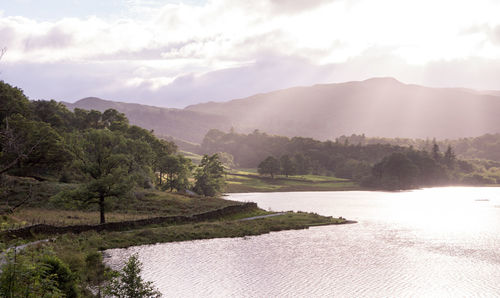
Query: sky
point(177, 53)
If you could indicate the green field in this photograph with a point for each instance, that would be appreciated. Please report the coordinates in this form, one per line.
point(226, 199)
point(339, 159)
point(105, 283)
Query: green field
point(248, 181)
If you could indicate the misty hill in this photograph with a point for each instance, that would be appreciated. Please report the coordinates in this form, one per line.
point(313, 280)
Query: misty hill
point(381, 107)
point(181, 124)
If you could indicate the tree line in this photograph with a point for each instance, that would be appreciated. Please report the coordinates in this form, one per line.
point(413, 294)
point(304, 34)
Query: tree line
point(373, 165)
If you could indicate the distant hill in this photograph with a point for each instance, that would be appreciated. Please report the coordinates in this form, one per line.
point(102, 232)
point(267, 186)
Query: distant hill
point(378, 107)
point(181, 124)
point(381, 107)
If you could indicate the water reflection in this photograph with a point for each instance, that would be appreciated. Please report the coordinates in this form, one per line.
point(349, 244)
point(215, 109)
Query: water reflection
point(431, 242)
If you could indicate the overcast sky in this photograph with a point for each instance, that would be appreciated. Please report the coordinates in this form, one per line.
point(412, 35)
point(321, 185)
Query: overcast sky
point(176, 53)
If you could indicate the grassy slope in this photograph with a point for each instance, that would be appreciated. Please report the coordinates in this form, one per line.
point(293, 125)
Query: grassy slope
point(248, 181)
point(142, 204)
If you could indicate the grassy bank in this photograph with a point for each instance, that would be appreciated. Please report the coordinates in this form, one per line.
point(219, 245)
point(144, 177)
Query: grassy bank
point(222, 228)
point(249, 181)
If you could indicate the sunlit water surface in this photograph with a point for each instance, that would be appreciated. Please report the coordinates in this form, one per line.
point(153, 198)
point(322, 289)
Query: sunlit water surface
point(430, 242)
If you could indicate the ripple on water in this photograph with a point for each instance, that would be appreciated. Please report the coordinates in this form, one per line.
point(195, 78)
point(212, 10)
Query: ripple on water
point(381, 256)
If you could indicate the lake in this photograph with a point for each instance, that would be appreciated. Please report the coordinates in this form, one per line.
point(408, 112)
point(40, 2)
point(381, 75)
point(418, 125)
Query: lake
point(429, 242)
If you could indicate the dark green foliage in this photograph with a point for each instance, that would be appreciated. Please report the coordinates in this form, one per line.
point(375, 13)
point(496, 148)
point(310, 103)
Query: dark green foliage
point(307, 155)
point(61, 274)
point(411, 169)
point(449, 157)
point(129, 284)
point(287, 165)
point(269, 166)
point(12, 101)
point(36, 274)
point(53, 113)
point(177, 169)
point(30, 147)
point(96, 271)
point(209, 176)
point(107, 162)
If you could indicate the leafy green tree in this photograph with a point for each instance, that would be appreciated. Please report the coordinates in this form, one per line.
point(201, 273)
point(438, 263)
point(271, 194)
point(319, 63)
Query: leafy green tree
point(178, 169)
point(12, 101)
point(209, 176)
point(129, 284)
point(114, 120)
point(102, 157)
point(270, 166)
point(54, 113)
point(287, 165)
point(29, 147)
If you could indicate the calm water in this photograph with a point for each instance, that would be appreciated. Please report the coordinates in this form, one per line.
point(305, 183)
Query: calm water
point(431, 242)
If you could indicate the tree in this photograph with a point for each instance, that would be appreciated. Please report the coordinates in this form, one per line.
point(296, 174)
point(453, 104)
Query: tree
point(287, 165)
point(209, 176)
point(101, 157)
point(54, 113)
point(12, 101)
point(270, 166)
point(449, 157)
point(114, 120)
point(129, 284)
point(29, 146)
point(436, 154)
point(178, 169)
point(396, 171)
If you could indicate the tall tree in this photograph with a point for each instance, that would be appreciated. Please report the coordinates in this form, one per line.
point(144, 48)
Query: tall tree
point(209, 176)
point(436, 154)
point(102, 157)
point(449, 157)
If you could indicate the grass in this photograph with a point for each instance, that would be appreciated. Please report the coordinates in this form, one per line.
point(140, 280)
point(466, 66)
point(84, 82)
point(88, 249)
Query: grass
point(142, 204)
point(196, 158)
point(226, 227)
point(248, 181)
point(30, 216)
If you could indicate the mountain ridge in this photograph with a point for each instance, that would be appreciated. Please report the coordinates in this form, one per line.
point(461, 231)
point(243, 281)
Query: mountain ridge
point(180, 124)
point(378, 107)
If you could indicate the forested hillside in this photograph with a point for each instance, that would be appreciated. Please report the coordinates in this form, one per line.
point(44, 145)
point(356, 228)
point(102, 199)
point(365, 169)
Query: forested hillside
point(485, 147)
point(372, 165)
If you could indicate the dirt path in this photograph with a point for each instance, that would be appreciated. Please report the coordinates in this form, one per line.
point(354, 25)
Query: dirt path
point(262, 216)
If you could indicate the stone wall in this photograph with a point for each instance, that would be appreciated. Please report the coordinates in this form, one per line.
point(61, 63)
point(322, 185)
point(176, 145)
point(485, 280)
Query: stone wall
point(27, 232)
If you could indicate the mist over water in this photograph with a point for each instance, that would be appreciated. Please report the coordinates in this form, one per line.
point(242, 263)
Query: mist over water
point(430, 242)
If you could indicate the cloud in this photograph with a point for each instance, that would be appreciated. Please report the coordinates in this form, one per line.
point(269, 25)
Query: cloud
point(175, 54)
